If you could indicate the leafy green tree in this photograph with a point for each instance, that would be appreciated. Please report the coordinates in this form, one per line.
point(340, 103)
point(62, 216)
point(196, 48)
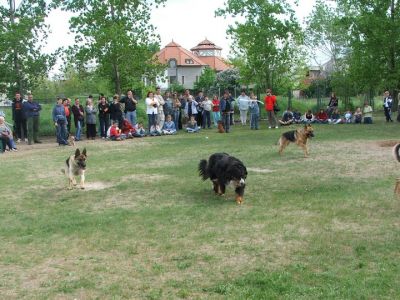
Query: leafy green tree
point(268, 40)
point(206, 80)
point(22, 34)
point(116, 36)
point(228, 79)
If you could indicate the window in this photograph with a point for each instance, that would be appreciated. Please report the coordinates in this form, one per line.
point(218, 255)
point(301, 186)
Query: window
point(189, 61)
point(172, 63)
point(172, 79)
point(183, 79)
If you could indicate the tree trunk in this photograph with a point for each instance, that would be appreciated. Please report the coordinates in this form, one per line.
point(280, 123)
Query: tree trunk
point(117, 79)
point(17, 67)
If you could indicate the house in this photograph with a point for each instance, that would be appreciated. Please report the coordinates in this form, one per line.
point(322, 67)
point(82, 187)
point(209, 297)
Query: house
point(185, 67)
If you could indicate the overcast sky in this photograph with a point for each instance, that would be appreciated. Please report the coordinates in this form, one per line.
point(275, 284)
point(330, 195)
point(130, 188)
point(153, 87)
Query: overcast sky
point(187, 22)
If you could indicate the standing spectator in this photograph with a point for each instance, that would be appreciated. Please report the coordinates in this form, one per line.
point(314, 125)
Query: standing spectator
point(79, 116)
point(207, 106)
point(32, 114)
point(177, 111)
point(357, 116)
point(191, 108)
point(104, 116)
point(225, 107)
point(387, 106)
point(321, 117)
point(169, 104)
point(160, 108)
point(91, 113)
point(67, 108)
point(215, 110)
point(116, 111)
point(130, 107)
point(200, 109)
point(151, 109)
point(6, 136)
point(60, 121)
point(367, 112)
point(254, 111)
point(19, 119)
point(232, 112)
point(332, 105)
point(243, 103)
point(270, 102)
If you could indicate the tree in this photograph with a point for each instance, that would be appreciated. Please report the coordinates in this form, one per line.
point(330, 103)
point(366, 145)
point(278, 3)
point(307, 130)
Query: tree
point(268, 41)
point(22, 34)
point(206, 80)
point(226, 80)
point(116, 36)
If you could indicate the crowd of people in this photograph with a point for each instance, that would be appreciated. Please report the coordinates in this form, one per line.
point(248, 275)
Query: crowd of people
point(166, 115)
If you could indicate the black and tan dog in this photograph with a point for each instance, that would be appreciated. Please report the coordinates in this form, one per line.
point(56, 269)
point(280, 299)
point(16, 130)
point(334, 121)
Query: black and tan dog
point(76, 166)
point(223, 169)
point(299, 137)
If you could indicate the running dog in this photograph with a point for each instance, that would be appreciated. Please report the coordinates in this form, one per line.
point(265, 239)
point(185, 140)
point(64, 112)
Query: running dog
point(223, 169)
point(299, 137)
point(396, 154)
point(76, 166)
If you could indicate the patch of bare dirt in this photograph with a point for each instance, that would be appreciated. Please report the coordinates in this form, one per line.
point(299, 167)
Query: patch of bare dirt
point(260, 170)
point(96, 186)
point(389, 143)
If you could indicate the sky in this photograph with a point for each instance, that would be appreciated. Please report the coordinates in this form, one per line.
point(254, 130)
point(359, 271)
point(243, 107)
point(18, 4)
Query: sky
point(187, 22)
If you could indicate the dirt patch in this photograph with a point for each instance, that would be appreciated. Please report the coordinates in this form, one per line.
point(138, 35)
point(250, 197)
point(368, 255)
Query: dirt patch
point(96, 186)
point(259, 170)
point(389, 143)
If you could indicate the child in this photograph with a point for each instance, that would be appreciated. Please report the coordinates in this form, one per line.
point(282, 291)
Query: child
point(296, 117)
point(6, 136)
point(358, 116)
point(254, 112)
point(335, 117)
point(192, 125)
point(347, 117)
point(155, 130)
point(169, 126)
point(127, 129)
point(139, 130)
point(115, 132)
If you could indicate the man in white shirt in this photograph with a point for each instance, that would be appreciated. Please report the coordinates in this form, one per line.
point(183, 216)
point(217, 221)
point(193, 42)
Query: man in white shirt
point(243, 102)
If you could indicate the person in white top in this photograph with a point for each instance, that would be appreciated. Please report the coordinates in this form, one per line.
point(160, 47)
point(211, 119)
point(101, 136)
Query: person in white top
point(207, 107)
point(161, 102)
point(152, 105)
point(243, 102)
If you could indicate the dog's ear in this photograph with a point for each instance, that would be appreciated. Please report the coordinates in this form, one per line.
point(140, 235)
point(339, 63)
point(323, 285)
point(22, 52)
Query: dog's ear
point(77, 153)
point(84, 152)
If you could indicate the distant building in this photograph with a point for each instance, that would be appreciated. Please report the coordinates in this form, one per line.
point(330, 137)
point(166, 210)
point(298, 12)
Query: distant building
point(185, 67)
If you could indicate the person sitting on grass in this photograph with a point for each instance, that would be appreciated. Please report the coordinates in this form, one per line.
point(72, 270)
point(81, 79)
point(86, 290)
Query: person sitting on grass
point(322, 117)
point(367, 112)
point(357, 116)
point(296, 117)
point(192, 125)
point(169, 126)
point(335, 117)
point(139, 130)
point(115, 132)
point(127, 129)
point(155, 130)
point(287, 118)
point(308, 117)
point(6, 136)
point(347, 117)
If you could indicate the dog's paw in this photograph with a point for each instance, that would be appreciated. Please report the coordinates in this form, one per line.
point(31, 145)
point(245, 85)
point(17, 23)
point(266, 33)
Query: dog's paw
point(82, 187)
point(239, 200)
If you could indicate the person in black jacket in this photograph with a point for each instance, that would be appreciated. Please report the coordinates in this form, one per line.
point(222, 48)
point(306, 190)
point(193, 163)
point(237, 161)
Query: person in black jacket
point(130, 107)
point(116, 112)
point(19, 118)
point(104, 116)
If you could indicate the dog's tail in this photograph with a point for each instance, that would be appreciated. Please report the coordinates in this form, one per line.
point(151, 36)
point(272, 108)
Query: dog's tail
point(203, 169)
point(278, 142)
point(396, 154)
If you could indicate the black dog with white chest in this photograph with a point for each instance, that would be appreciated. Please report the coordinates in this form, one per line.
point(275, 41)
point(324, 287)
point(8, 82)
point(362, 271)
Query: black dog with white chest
point(223, 169)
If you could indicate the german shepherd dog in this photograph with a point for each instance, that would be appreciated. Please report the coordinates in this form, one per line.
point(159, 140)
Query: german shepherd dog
point(223, 169)
point(396, 154)
point(76, 166)
point(299, 137)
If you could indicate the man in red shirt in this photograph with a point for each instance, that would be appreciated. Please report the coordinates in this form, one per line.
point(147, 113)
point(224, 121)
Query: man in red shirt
point(322, 117)
point(270, 101)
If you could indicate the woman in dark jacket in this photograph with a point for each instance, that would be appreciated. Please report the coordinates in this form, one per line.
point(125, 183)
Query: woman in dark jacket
point(115, 111)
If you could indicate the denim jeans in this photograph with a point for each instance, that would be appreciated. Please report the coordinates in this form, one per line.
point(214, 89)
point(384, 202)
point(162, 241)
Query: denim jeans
point(62, 133)
point(152, 119)
point(176, 118)
point(216, 117)
point(254, 121)
point(131, 116)
point(78, 131)
point(226, 120)
point(206, 119)
point(104, 124)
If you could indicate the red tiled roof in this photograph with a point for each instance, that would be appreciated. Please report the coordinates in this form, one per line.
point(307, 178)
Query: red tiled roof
point(206, 45)
point(175, 51)
point(216, 63)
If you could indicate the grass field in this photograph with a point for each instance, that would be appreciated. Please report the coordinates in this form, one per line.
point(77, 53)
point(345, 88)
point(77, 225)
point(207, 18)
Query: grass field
point(147, 227)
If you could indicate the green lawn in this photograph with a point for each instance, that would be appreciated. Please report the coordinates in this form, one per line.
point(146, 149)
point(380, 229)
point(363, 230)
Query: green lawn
point(147, 227)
